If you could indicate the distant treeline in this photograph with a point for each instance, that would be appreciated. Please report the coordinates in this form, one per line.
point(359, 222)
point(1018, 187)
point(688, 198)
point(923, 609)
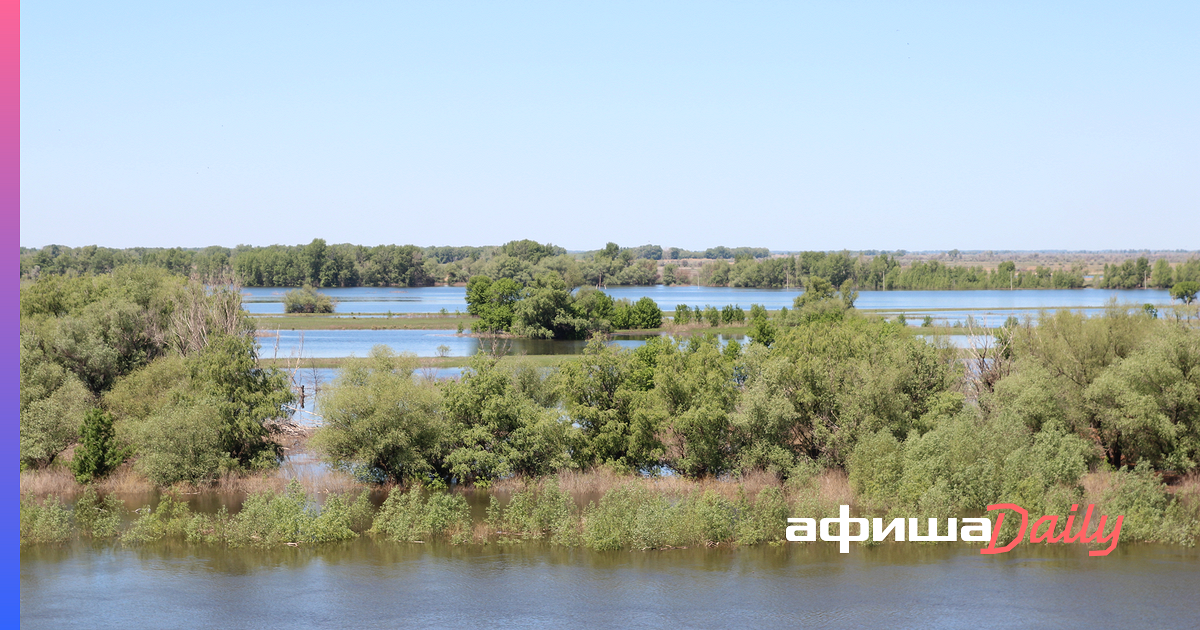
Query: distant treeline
point(344, 265)
point(1135, 274)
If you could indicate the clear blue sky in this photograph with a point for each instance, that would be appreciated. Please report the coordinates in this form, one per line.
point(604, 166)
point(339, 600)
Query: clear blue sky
point(786, 125)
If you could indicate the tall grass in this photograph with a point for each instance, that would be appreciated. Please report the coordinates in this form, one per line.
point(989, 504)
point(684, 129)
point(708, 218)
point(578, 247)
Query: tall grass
point(598, 510)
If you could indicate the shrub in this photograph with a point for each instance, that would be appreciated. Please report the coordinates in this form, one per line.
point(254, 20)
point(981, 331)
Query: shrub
point(764, 520)
point(413, 515)
point(378, 419)
point(180, 443)
point(609, 526)
point(269, 519)
point(45, 522)
point(169, 519)
point(96, 516)
point(538, 512)
point(307, 300)
point(53, 403)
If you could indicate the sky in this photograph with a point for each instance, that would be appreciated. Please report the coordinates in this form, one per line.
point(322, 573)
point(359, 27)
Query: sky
point(787, 125)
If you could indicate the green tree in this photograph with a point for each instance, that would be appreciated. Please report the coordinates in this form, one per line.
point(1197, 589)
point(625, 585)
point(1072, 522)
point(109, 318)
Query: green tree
point(695, 393)
point(97, 453)
point(493, 302)
point(53, 405)
point(378, 420)
point(246, 397)
point(607, 395)
point(1185, 291)
point(1161, 275)
point(496, 429)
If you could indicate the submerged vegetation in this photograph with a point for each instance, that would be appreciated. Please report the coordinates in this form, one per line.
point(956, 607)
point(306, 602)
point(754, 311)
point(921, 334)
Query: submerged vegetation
point(599, 511)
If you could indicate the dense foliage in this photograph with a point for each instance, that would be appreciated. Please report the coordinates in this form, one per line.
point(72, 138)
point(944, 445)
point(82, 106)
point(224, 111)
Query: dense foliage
point(344, 265)
point(547, 309)
point(145, 364)
point(307, 300)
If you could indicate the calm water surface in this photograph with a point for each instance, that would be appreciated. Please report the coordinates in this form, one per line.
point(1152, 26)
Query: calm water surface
point(433, 299)
point(325, 344)
point(364, 584)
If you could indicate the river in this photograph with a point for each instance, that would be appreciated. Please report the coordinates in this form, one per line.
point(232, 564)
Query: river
point(367, 584)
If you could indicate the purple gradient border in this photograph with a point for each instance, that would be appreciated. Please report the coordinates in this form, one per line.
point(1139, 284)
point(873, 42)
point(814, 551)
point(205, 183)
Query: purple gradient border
point(10, 231)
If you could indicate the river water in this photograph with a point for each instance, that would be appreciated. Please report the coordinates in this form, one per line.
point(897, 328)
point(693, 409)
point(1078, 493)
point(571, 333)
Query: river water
point(368, 584)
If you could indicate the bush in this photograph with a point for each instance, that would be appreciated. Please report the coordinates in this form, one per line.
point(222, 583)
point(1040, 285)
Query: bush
point(268, 519)
point(538, 512)
point(96, 516)
point(763, 521)
point(378, 420)
point(181, 443)
point(610, 525)
point(632, 517)
point(307, 300)
point(45, 522)
point(169, 519)
point(53, 403)
point(1142, 499)
point(414, 516)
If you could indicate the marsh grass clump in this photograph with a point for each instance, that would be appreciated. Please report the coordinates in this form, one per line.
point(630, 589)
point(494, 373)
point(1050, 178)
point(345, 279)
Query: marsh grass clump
point(415, 515)
point(764, 520)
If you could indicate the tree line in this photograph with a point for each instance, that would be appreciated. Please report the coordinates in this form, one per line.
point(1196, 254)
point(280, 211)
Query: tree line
point(344, 265)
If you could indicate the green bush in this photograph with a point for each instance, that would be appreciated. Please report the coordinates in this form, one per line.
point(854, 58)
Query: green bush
point(414, 515)
point(268, 519)
point(377, 419)
point(1142, 499)
point(44, 522)
point(96, 516)
point(610, 525)
point(181, 443)
point(53, 404)
point(764, 520)
point(632, 517)
point(169, 519)
point(307, 300)
point(536, 513)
